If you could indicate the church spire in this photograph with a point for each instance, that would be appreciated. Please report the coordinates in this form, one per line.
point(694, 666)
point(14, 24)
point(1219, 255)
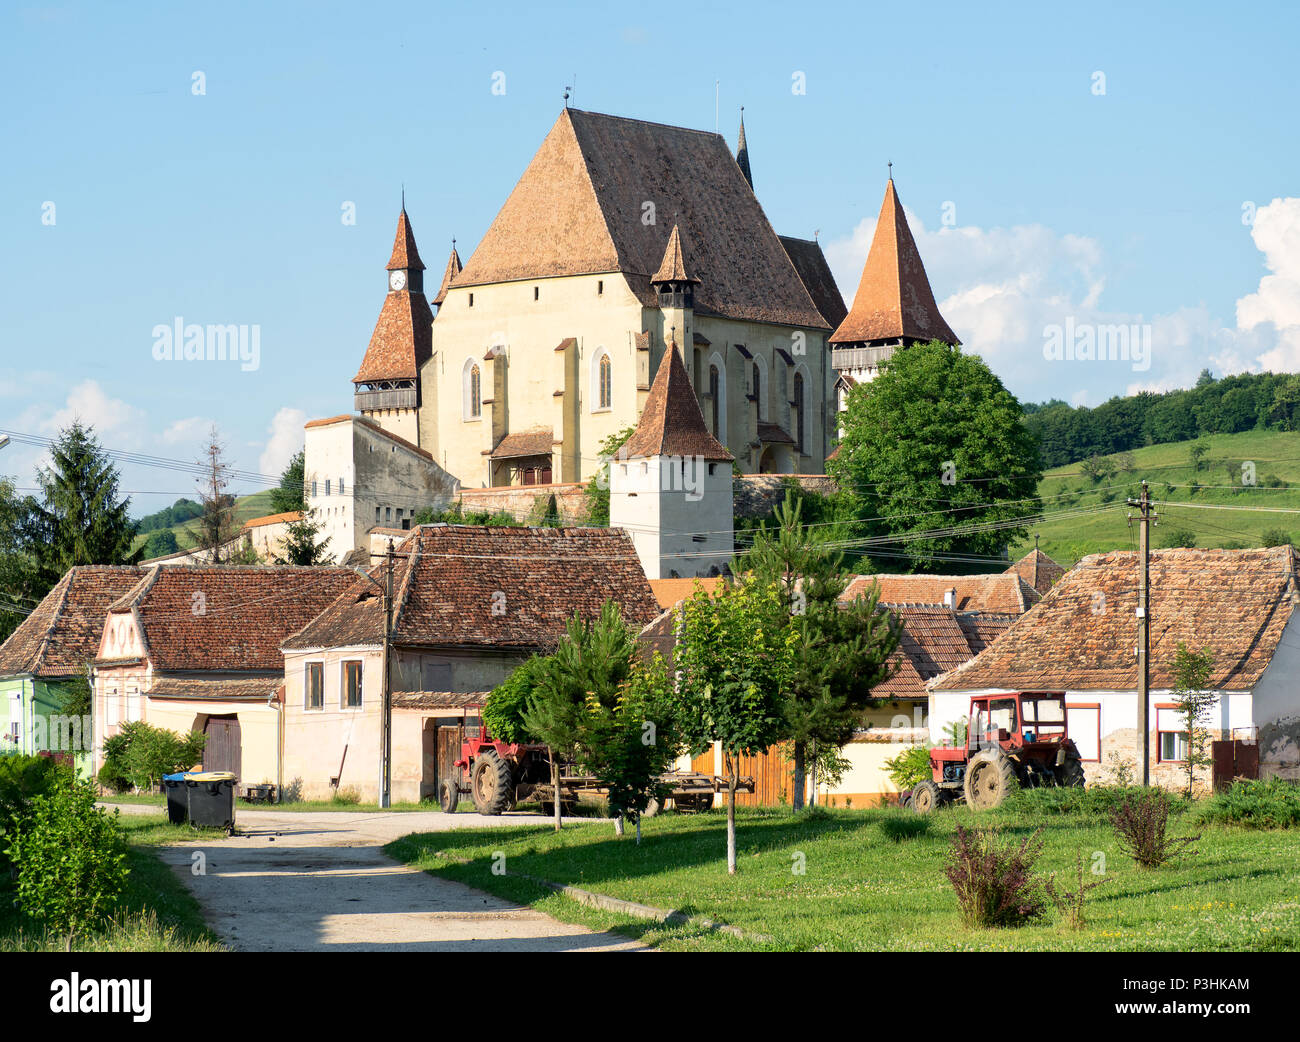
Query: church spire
point(449, 274)
point(894, 302)
point(671, 423)
point(742, 152)
point(405, 256)
point(672, 269)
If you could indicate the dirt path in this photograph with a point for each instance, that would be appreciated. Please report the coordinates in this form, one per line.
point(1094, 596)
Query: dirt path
point(320, 882)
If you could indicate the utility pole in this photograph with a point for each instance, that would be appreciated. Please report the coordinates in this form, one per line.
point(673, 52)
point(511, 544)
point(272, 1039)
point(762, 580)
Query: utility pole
point(386, 728)
point(1145, 517)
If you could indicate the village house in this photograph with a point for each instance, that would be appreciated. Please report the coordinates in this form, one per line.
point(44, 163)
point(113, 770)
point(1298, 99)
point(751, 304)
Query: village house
point(198, 649)
point(469, 604)
point(1082, 639)
point(50, 653)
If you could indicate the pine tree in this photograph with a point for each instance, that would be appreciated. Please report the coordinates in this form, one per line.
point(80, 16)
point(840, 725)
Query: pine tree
point(80, 518)
point(290, 495)
point(301, 545)
point(841, 651)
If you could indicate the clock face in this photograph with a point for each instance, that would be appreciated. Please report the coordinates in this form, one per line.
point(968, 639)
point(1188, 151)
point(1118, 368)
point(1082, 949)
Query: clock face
point(397, 280)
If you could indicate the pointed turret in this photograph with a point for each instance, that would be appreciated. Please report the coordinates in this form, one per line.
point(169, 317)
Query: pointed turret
point(405, 255)
point(742, 151)
point(671, 423)
point(387, 386)
point(894, 304)
point(672, 269)
point(449, 274)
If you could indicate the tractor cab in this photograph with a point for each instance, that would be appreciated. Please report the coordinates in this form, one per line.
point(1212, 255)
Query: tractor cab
point(1013, 721)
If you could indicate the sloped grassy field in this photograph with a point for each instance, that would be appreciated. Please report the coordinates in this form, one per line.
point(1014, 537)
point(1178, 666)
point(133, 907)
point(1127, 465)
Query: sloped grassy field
point(1169, 470)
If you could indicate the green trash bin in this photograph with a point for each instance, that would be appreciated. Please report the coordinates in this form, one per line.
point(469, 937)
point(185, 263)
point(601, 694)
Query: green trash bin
point(211, 798)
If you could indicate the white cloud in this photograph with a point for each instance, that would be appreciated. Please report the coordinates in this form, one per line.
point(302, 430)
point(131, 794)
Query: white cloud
point(192, 430)
point(1003, 287)
point(286, 438)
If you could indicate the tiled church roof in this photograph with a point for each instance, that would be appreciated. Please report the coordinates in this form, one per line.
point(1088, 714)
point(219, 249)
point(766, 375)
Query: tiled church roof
point(671, 423)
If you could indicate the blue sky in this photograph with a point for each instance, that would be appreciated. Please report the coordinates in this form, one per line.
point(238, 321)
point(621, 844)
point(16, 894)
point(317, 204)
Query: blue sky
point(224, 207)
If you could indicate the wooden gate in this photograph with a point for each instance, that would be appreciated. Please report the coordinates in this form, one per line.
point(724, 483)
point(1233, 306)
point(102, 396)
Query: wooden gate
point(773, 779)
point(448, 754)
point(224, 748)
point(1233, 759)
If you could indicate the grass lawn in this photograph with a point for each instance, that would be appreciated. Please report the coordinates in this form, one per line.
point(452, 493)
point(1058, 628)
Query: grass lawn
point(862, 891)
point(158, 913)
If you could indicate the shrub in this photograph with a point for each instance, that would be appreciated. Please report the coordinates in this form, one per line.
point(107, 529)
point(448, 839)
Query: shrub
point(503, 713)
point(1070, 902)
point(1177, 538)
point(140, 754)
point(1270, 804)
point(1098, 801)
point(1275, 537)
point(910, 767)
point(348, 796)
point(995, 882)
point(899, 827)
point(22, 779)
point(70, 857)
point(1141, 824)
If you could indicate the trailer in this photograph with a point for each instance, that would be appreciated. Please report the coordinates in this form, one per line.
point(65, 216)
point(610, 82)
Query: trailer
point(498, 776)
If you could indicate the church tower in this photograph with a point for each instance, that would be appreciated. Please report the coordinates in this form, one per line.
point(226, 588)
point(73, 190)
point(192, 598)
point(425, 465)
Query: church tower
point(674, 287)
point(894, 305)
point(387, 386)
point(670, 483)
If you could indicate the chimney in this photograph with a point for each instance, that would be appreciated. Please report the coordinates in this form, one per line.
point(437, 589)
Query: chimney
point(950, 598)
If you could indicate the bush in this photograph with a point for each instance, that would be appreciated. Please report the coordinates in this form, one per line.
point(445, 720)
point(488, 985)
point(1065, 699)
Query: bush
point(1098, 801)
point(995, 882)
point(351, 797)
point(1274, 537)
point(503, 712)
point(910, 767)
point(1141, 824)
point(1271, 804)
point(22, 779)
point(70, 857)
point(1177, 538)
point(140, 754)
point(899, 827)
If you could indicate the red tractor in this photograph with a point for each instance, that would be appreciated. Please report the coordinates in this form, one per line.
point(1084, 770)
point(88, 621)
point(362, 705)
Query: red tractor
point(1017, 738)
point(500, 774)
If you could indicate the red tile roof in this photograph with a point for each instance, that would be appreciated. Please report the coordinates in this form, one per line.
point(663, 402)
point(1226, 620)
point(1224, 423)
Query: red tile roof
point(373, 426)
point(439, 699)
point(1082, 635)
point(402, 341)
point(227, 618)
point(671, 423)
point(539, 441)
point(210, 689)
point(273, 519)
point(1038, 570)
point(481, 586)
point(670, 591)
point(1003, 593)
point(578, 209)
point(809, 261)
point(61, 636)
point(404, 254)
point(894, 299)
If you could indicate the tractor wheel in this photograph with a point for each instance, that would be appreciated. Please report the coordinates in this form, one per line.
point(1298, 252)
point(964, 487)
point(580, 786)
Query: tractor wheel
point(990, 775)
point(1072, 772)
point(925, 797)
point(492, 786)
point(449, 796)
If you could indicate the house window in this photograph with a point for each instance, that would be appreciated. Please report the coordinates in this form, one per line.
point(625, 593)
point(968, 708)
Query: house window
point(1173, 746)
point(313, 489)
point(340, 486)
point(351, 685)
point(471, 300)
point(314, 686)
point(376, 515)
point(536, 293)
point(388, 513)
point(327, 486)
point(600, 287)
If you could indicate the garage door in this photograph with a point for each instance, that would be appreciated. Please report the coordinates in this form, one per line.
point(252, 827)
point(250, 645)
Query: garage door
point(223, 751)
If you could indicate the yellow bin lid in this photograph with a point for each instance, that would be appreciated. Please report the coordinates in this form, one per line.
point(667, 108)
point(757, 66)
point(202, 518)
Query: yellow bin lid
point(212, 776)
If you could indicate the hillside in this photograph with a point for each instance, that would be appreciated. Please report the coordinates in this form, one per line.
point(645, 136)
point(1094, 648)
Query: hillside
point(256, 505)
point(1168, 469)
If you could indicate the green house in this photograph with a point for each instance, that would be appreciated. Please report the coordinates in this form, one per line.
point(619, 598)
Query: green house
point(46, 657)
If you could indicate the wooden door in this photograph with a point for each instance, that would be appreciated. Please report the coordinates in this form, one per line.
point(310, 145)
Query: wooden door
point(224, 748)
point(448, 754)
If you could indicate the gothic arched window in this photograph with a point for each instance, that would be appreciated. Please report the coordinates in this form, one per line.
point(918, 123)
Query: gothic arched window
point(798, 408)
point(606, 382)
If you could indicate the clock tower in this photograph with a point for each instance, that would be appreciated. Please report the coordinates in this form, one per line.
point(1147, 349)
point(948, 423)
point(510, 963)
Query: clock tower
point(387, 386)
